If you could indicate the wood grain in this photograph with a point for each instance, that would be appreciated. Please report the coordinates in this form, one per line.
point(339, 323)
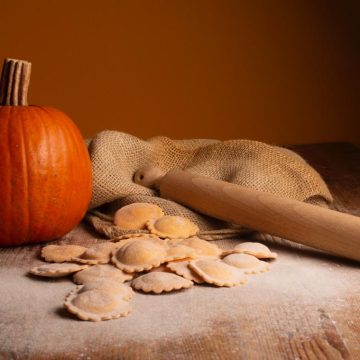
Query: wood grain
point(306, 307)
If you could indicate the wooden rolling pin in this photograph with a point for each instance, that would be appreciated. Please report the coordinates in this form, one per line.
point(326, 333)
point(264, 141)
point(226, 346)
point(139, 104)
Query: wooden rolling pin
point(311, 225)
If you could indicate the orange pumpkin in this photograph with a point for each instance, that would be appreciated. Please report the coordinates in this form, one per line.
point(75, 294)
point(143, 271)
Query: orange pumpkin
point(45, 169)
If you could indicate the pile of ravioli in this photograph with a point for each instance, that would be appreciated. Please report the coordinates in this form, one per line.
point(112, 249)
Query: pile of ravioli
point(170, 258)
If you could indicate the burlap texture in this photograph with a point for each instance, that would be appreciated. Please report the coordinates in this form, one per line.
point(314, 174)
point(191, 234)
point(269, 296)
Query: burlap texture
point(116, 156)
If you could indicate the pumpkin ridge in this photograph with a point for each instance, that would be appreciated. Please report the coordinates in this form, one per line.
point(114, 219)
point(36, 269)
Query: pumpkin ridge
point(67, 144)
point(61, 182)
point(45, 203)
point(64, 208)
point(27, 213)
point(12, 135)
point(16, 161)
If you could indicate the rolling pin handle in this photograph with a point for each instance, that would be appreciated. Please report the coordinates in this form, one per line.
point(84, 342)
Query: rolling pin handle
point(149, 176)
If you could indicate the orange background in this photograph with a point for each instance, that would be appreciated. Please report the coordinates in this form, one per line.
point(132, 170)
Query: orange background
point(277, 71)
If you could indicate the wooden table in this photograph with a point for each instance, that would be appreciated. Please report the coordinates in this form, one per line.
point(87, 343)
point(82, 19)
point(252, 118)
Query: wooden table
point(306, 307)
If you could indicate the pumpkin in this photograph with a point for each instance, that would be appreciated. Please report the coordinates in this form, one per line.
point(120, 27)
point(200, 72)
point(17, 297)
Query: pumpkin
point(45, 169)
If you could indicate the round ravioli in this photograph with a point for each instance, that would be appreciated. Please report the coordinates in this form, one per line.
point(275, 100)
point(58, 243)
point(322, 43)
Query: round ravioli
point(172, 227)
point(96, 305)
point(56, 270)
point(216, 272)
point(256, 249)
point(248, 263)
point(100, 273)
point(180, 251)
point(182, 268)
point(202, 247)
point(112, 286)
point(158, 282)
point(147, 237)
point(140, 254)
point(61, 253)
point(97, 254)
point(135, 216)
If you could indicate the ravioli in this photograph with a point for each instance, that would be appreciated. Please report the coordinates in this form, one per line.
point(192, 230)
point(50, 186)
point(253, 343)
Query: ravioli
point(158, 282)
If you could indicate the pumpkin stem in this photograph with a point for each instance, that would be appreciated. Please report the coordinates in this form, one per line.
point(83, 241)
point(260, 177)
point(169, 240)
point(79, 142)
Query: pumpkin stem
point(14, 83)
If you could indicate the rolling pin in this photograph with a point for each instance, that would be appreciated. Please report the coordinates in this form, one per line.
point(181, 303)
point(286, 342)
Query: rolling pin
point(321, 228)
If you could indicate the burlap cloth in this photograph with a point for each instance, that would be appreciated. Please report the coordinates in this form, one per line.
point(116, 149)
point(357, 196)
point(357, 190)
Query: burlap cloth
point(116, 156)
